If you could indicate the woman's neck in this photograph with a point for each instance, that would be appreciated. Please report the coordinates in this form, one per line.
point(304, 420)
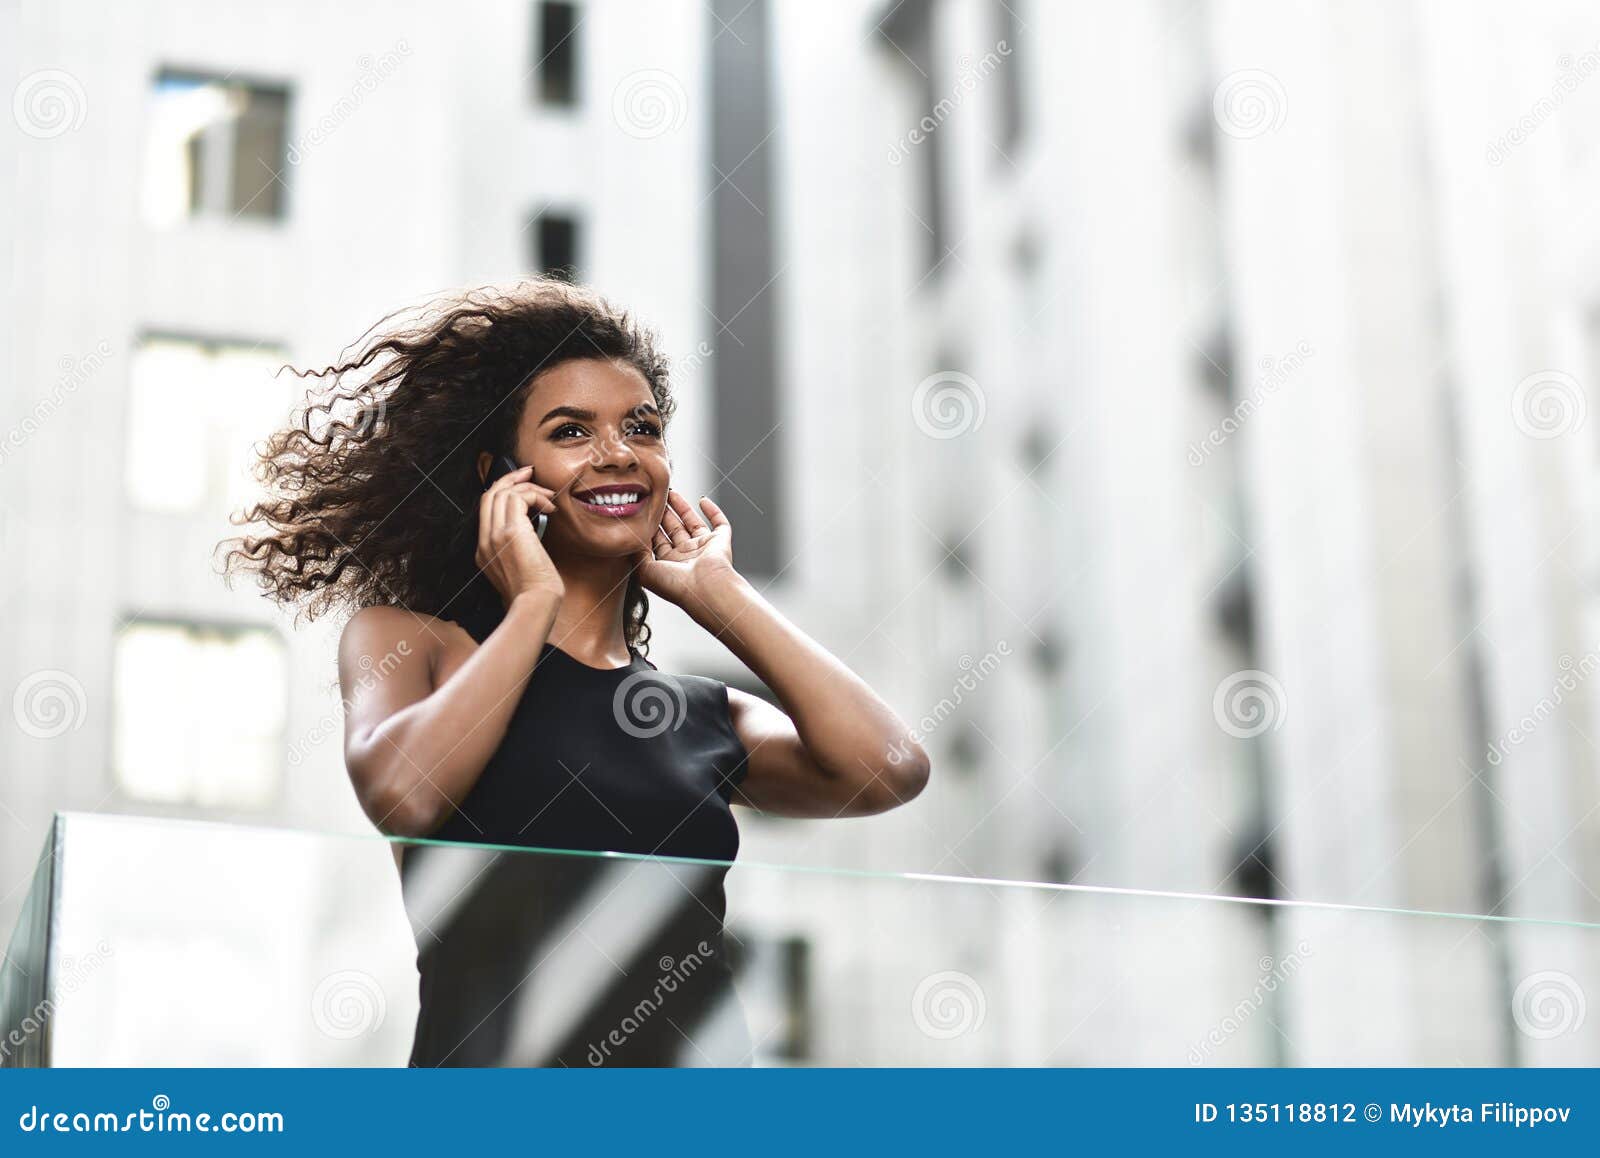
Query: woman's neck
point(589, 625)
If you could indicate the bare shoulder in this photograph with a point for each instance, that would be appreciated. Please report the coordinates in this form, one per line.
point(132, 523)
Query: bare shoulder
point(753, 718)
point(383, 639)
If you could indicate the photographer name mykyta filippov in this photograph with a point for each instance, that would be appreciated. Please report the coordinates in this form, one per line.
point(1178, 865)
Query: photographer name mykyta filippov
point(1487, 1113)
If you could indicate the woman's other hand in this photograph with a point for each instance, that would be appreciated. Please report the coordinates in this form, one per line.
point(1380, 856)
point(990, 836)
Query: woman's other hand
point(692, 558)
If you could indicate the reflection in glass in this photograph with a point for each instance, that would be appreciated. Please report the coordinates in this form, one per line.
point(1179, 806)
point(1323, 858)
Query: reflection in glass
point(184, 943)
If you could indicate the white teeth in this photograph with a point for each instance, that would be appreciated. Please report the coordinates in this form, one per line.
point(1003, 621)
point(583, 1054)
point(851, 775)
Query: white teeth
point(613, 500)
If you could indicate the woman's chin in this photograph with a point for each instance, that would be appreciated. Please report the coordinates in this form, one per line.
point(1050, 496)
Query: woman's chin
point(617, 543)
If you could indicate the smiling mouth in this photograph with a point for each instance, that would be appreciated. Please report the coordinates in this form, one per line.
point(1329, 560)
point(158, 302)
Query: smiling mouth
point(612, 502)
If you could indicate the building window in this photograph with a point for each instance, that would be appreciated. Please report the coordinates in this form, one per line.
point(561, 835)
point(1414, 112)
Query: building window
point(1013, 109)
point(199, 713)
point(556, 241)
point(908, 29)
point(217, 148)
point(555, 55)
point(775, 983)
point(1214, 363)
point(195, 409)
point(955, 556)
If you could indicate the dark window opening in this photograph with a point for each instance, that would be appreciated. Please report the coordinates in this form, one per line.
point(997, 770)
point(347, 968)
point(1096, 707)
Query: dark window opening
point(1214, 363)
point(908, 29)
point(1013, 109)
point(555, 245)
point(555, 55)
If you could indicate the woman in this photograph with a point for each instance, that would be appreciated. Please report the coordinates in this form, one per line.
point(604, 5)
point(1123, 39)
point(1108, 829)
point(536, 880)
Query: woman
point(513, 703)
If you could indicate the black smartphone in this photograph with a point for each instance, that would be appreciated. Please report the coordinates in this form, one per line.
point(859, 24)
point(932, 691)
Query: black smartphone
point(503, 465)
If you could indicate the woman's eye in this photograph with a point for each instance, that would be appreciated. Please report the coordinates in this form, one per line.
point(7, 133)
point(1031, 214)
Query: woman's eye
point(648, 429)
point(568, 430)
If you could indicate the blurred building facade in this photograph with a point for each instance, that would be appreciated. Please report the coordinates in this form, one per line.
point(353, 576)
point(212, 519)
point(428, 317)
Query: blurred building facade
point(1175, 409)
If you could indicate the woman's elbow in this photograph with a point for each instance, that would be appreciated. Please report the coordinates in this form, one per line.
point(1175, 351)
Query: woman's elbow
point(897, 780)
point(407, 817)
point(396, 806)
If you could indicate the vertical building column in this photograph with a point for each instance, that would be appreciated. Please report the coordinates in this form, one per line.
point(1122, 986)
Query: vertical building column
point(746, 434)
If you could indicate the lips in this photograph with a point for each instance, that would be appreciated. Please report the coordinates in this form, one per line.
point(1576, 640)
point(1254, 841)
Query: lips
point(613, 502)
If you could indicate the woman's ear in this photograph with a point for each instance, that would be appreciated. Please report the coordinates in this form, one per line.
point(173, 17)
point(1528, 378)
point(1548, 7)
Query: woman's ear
point(484, 461)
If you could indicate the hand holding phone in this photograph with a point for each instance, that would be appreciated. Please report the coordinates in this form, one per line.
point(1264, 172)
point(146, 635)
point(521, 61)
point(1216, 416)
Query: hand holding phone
point(503, 465)
point(512, 560)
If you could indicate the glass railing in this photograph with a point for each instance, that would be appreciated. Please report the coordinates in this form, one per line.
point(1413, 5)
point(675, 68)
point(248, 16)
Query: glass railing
point(151, 942)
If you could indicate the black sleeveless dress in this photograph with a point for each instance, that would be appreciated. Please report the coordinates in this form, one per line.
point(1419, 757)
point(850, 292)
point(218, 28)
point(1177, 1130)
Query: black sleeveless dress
point(552, 958)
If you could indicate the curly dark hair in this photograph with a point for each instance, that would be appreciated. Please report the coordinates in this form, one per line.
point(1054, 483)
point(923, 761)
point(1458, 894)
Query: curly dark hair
point(372, 490)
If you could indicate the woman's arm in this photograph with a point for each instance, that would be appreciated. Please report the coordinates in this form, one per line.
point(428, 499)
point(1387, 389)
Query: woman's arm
point(415, 744)
point(835, 748)
point(414, 750)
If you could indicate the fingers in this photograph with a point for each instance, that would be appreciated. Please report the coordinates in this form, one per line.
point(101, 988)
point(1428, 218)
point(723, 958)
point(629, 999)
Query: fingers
point(687, 516)
point(498, 523)
point(718, 519)
point(533, 497)
point(505, 513)
point(536, 497)
point(486, 530)
point(486, 523)
point(520, 503)
point(521, 474)
point(524, 488)
point(673, 526)
point(517, 480)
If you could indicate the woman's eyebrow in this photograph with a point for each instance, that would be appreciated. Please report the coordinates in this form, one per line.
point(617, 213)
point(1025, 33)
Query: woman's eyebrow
point(577, 412)
point(583, 415)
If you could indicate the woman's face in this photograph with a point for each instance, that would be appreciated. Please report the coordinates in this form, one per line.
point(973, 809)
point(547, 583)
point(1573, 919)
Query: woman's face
point(592, 434)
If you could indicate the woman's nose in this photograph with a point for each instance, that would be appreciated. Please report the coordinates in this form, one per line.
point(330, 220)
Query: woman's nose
point(613, 450)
